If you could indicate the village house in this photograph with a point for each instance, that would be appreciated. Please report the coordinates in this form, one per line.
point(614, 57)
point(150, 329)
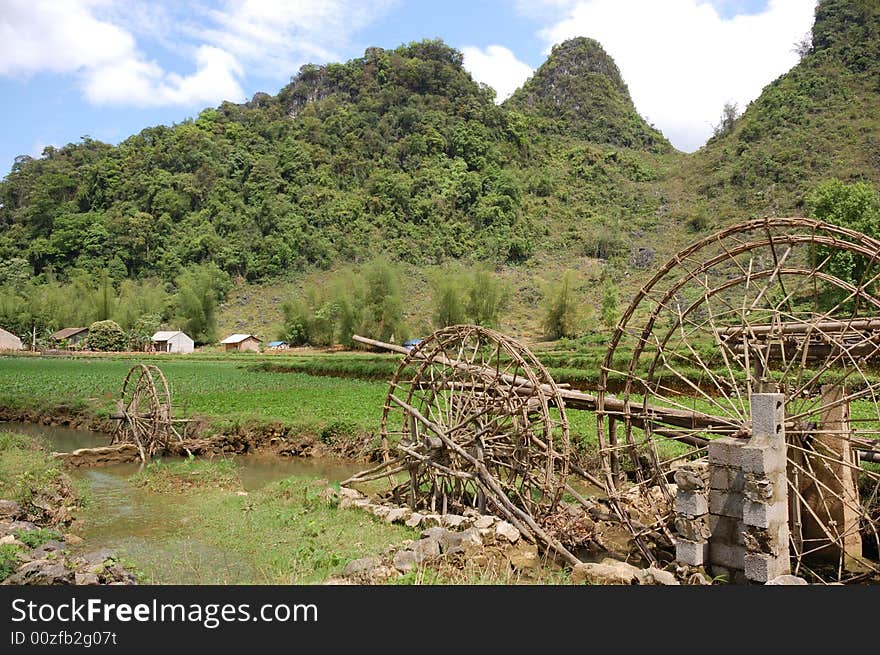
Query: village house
point(277, 345)
point(242, 343)
point(72, 337)
point(172, 341)
point(9, 341)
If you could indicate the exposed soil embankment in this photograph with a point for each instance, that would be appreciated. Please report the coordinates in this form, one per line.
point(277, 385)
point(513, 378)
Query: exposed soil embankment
point(66, 415)
point(204, 437)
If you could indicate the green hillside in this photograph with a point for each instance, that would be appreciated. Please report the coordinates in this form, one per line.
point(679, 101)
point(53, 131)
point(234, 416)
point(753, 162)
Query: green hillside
point(579, 92)
point(820, 120)
point(400, 154)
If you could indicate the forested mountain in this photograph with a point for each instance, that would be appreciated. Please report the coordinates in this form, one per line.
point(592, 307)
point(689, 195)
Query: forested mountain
point(400, 153)
point(820, 120)
point(579, 91)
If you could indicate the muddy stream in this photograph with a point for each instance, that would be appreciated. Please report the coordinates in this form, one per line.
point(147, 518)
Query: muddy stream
point(136, 525)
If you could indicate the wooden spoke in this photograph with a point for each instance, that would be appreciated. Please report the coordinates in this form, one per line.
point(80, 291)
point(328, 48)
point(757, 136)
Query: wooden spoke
point(766, 306)
point(470, 412)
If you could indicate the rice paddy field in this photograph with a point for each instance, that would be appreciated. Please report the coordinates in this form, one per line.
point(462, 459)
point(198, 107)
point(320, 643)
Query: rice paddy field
point(228, 389)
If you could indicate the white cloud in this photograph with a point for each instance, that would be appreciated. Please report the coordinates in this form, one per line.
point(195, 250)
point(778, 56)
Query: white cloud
point(281, 36)
point(57, 37)
point(682, 61)
point(498, 67)
point(104, 41)
point(132, 81)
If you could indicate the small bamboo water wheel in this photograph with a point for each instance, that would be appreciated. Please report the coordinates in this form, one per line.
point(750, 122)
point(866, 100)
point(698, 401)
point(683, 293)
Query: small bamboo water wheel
point(143, 412)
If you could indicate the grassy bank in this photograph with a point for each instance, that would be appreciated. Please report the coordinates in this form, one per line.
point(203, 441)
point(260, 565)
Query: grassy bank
point(203, 528)
point(27, 472)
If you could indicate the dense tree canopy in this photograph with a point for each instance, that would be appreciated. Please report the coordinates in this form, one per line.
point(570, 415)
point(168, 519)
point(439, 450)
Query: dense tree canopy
point(399, 154)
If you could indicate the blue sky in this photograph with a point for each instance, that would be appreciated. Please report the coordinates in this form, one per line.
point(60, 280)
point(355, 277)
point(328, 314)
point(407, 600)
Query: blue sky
point(109, 68)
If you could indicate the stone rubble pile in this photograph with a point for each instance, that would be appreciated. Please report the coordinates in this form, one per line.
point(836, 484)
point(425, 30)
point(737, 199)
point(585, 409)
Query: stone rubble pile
point(51, 562)
point(479, 539)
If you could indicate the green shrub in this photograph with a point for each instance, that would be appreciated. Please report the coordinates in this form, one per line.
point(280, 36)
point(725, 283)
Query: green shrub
point(106, 336)
point(36, 538)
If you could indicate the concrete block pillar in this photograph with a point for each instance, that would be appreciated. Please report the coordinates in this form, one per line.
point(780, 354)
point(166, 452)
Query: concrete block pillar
point(691, 508)
point(765, 491)
point(726, 542)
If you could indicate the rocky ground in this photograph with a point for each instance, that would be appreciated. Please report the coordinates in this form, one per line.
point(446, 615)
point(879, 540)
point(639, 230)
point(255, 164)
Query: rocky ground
point(481, 543)
point(42, 555)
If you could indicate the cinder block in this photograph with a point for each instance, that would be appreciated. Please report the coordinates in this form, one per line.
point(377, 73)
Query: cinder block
point(762, 568)
point(726, 451)
point(696, 529)
point(725, 503)
point(763, 515)
point(730, 556)
point(771, 540)
point(691, 503)
point(723, 478)
point(763, 456)
point(739, 577)
point(768, 415)
point(727, 530)
point(694, 553)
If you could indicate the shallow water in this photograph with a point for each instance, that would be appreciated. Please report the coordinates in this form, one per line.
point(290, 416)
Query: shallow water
point(58, 438)
point(144, 529)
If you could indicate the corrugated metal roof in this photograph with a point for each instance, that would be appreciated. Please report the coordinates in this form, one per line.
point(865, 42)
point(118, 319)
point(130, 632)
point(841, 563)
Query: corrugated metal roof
point(66, 333)
point(272, 344)
point(238, 338)
point(165, 335)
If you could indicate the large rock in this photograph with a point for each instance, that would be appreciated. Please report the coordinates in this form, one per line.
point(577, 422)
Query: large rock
point(507, 531)
point(523, 556)
point(380, 511)
point(397, 515)
point(347, 492)
point(484, 522)
point(11, 510)
point(41, 572)
point(86, 579)
point(404, 560)
point(607, 572)
point(97, 557)
point(786, 580)
point(52, 546)
point(449, 541)
point(426, 549)
point(654, 576)
point(419, 552)
point(10, 526)
point(362, 565)
point(455, 522)
point(415, 520)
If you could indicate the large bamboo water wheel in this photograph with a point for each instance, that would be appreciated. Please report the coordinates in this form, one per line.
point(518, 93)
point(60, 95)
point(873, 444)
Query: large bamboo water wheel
point(782, 305)
point(470, 422)
point(143, 412)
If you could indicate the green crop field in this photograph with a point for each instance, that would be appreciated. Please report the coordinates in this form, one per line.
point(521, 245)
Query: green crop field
point(226, 390)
